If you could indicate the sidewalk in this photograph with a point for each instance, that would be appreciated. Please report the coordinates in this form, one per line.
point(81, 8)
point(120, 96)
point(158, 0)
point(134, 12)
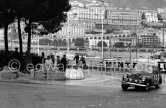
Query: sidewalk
point(92, 78)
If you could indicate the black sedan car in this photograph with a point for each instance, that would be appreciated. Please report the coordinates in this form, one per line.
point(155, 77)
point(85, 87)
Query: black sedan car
point(144, 75)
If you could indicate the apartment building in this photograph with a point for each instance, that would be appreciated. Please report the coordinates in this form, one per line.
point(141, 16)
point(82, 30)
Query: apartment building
point(123, 17)
point(150, 41)
point(151, 17)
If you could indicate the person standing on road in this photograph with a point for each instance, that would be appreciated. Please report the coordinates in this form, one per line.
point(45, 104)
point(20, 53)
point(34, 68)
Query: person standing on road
point(77, 59)
point(82, 59)
point(64, 62)
point(58, 61)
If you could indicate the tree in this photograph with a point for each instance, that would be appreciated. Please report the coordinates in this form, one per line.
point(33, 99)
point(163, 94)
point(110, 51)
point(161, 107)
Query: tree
point(119, 45)
point(48, 13)
point(18, 8)
point(79, 42)
point(143, 17)
point(6, 17)
point(99, 44)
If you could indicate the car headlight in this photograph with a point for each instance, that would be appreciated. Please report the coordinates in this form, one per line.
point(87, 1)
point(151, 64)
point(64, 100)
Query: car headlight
point(143, 78)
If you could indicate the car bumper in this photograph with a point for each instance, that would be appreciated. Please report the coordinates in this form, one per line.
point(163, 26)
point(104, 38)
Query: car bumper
point(133, 84)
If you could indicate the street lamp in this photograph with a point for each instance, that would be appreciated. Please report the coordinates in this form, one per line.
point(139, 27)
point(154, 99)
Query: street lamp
point(68, 27)
point(102, 30)
point(163, 48)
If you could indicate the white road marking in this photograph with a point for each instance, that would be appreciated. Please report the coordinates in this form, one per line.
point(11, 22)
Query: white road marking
point(123, 102)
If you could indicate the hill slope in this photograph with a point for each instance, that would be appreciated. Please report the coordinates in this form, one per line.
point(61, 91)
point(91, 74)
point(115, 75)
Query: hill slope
point(136, 4)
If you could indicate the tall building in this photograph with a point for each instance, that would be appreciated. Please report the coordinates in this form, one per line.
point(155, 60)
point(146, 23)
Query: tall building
point(125, 19)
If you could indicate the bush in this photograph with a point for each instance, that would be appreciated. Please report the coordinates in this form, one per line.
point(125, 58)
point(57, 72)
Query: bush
point(23, 58)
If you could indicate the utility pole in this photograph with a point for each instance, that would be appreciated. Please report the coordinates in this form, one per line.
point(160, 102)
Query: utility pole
point(163, 50)
point(136, 43)
point(102, 30)
point(68, 32)
point(130, 47)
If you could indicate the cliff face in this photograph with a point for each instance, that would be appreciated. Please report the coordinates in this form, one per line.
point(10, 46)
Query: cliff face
point(135, 4)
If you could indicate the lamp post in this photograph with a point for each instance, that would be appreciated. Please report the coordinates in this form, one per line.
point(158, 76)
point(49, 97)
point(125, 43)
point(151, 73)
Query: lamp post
point(163, 48)
point(68, 27)
point(136, 43)
point(38, 45)
point(130, 47)
point(102, 30)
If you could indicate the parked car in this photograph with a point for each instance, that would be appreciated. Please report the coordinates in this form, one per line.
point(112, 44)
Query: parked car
point(144, 75)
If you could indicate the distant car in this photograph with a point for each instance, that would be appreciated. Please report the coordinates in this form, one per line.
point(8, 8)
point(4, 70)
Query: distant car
point(144, 76)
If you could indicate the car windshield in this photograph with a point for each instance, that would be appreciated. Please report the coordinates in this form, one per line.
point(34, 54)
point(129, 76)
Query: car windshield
point(141, 67)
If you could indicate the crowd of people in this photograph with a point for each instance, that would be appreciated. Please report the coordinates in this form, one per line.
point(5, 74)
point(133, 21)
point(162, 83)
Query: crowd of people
point(27, 58)
point(63, 62)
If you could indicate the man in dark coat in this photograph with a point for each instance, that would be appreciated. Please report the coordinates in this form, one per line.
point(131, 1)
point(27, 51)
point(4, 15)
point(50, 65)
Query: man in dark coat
point(77, 59)
point(64, 62)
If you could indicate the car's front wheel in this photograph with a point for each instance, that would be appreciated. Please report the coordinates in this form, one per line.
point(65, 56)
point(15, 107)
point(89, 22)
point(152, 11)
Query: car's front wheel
point(124, 87)
point(157, 86)
point(147, 86)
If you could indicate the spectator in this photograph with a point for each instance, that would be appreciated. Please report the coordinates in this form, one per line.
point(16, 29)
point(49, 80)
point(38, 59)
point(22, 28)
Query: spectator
point(48, 61)
point(43, 57)
point(82, 59)
point(77, 59)
point(58, 60)
point(64, 62)
point(52, 58)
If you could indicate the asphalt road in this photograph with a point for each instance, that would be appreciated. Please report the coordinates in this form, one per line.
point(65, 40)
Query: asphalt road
point(63, 95)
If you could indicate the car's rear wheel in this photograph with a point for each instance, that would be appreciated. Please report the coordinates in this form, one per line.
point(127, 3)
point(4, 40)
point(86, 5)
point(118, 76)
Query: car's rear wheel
point(124, 87)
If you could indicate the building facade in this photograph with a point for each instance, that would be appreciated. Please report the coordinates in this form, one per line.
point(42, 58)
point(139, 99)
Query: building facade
point(74, 29)
point(151, 17)
point(150, 41)
point(123, 17)
point(162, 12)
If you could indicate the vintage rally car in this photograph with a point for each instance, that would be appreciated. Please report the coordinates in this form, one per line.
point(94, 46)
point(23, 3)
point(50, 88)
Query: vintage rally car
point(144, 75)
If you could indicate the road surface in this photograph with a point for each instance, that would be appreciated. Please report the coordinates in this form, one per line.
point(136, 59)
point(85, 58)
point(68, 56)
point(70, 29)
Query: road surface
point(93, 94)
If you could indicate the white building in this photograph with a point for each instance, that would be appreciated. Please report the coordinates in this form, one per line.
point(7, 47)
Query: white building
point(74, 29)
point(151, 17)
